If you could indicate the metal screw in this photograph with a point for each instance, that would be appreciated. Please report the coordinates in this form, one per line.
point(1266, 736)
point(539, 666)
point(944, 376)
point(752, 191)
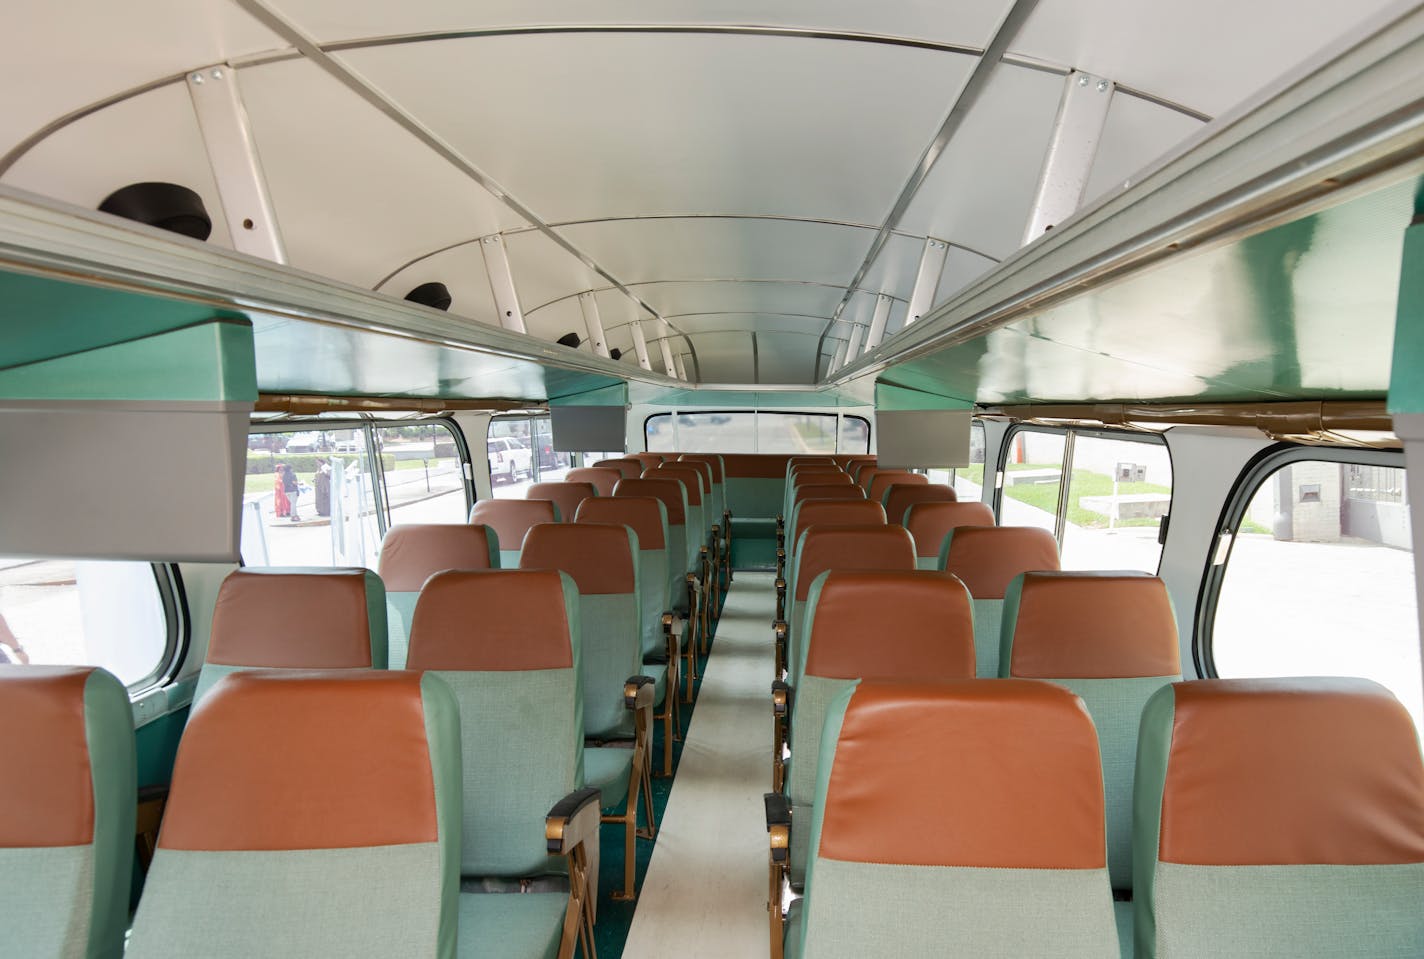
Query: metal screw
point(1102, 86)
point(217, 74)
point(1082, 80)
point(196, 78)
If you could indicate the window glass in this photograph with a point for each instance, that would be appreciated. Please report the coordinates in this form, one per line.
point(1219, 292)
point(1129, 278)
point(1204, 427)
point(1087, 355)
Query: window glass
point(83, 613)
point(424, 481)
point(309, 500)
point(1117, 496)
point(1320, 581)
point(967, 483)
point(549, 466)
point(757, 432)
point(1033, 473)
point(511, 456)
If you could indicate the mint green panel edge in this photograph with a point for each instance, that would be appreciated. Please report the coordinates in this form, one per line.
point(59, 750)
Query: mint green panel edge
point(803, 646)
point(113, 768)
point(1406, 386)
point(492, 541)
point(890, 396)
point(442, 734)
point(830, 738)
point(376, 620)
point(1154, 741)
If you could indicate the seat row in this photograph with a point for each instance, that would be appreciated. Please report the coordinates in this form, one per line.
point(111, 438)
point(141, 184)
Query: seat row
point(1274, 818)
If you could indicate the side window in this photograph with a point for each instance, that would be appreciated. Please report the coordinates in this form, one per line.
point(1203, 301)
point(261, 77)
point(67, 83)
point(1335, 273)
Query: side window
point(420, 467)
point(1319, 580)
point(511, 459)
point(309, 500)
point(549, 465)
point(1118, 493)
point(967, 482)
point(87, 613)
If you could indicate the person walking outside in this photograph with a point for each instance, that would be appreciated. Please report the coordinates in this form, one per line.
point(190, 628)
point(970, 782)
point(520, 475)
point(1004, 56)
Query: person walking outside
point(293, 489)
point(281, 506)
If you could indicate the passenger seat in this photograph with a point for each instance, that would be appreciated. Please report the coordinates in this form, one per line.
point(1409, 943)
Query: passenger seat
point(312, 814)
point(68, 784)
point(929, 523)
point(566, 496)
point(1278, 818)
point(987, 558)
point(411, 554)
point(511, 519)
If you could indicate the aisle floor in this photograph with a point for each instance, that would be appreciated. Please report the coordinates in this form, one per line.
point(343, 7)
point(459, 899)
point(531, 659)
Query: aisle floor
point(705, 891)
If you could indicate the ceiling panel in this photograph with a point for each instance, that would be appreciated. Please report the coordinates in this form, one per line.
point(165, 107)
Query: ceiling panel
point(337, 168)
point(84, 162)
point(69, 55)
point(748, 322)
point(723, 357)
point(1208, 55)
point(462, 270)
point(961, 268)
point(1136, 134)
point(544, 271)
point(785, 357)
point(674, 299)
point(701, 248)
point(644, 124)
point(980, 192)
point(895, 268)
point(966, 21)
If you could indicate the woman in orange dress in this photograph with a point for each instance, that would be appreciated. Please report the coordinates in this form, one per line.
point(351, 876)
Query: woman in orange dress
point(281, 506)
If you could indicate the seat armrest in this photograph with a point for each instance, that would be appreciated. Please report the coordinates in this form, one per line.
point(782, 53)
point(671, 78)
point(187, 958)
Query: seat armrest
point(638, 692)
point(780, 698)
point(778, 825)
point(573, 820)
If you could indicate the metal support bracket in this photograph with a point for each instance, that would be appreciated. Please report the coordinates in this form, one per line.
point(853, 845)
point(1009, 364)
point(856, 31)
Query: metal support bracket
point(1082, 112)
point(640, 344)
point(877, 322)
point(927, 279)
point(593, 322)
point(669, 367)
point(501, 280)
point(237, 170)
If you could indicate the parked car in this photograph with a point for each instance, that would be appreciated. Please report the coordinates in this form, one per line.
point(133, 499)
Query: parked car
point(508, 460)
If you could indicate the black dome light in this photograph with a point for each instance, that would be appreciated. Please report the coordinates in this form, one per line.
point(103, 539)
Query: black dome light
point(615, 354)
point(433, 294)
point(167, 206)
point(570, 340)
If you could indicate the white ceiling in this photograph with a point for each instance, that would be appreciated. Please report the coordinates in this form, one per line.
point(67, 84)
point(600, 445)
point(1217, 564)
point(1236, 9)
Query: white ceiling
point(729, 163)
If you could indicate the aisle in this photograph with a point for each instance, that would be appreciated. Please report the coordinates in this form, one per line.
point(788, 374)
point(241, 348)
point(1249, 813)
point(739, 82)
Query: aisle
point(705, 891)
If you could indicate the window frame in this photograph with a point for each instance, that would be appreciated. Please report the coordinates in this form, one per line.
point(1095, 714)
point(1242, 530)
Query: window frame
point(839, 417)
point(1257, 471)
point(575, 459)
point(1065, 481)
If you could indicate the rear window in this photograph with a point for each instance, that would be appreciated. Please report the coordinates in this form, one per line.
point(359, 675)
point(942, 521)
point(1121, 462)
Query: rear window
point(746, 431)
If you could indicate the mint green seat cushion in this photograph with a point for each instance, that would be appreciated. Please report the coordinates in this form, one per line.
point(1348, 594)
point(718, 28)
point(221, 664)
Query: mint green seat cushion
point(400, 610)
point(510, 925)
point(654, 587)
point(755, 497)
point(521, 740)
point(608, 768)
point(808, 716)
point(1122, 914)
point(509, 558)
point(926, 562)
point(612, 651)
point(987, 615)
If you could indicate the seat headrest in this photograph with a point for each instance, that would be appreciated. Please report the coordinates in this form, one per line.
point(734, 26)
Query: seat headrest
point(603, 478)
point(648, 460)
point(851, 547)
point(837, 512)
point(929, 523)
point(708, 477)
point(809, 460)
point(901, 496)
point(495, 620)
point(884, 479)
point(754, 466)
point(820, 475)
point(627, 468)
point(645, 514)
point(988, 558)
point(859, 466)
point(922, 623)
point(1089, 625)
point(566, 496)
point(816, 491)
point(511, 518)
point(298, 618)
point(412, 553)
point(672, 493)
point(975, 773)
point(599, 557)
point(45, 712)
point(1284, 772)
point(277, 760)
point(689, 476)
point(711, 459)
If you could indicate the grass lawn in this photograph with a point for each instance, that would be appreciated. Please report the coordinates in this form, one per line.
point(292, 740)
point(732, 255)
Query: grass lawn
point(1044, 496)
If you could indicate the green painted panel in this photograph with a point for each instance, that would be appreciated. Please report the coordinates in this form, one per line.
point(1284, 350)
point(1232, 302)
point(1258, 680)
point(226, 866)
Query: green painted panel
point(889, 396)
point(45, 318)
point(206, 362)
point(1406, 385)
point(616, 395)
point(157, 744)
point(852, 395)
point(1305, 310)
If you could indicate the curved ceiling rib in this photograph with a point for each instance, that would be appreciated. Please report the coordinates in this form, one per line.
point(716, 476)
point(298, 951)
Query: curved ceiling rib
point(993, 54)
point(392, 110)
